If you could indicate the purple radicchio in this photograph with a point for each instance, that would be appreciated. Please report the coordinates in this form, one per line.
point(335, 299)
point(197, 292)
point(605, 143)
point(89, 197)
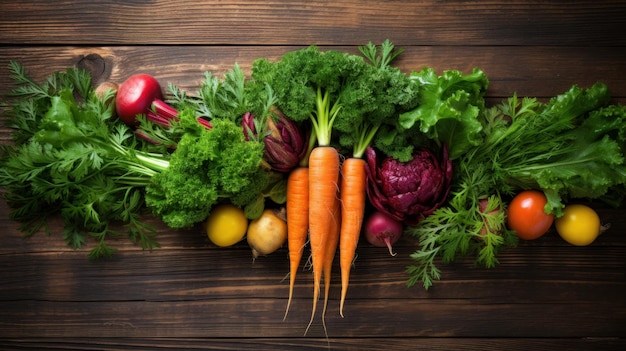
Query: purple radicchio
point(285, 143)
point(408, 191)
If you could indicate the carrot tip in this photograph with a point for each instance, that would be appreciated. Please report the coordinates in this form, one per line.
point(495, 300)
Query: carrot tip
point(341, 309)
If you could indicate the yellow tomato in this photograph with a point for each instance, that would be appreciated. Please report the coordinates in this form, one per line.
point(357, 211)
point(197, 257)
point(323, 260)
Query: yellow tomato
point(226, 225)
point(580, 225)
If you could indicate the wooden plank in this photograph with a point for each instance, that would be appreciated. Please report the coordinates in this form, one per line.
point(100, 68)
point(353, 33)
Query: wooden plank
point(193, 292)
point(248, 318)
point(529, 71)
point(547, 71)
point(425, 22)
point(289, 344)
point(192, 274)
point(550, 263)
point(189, 294)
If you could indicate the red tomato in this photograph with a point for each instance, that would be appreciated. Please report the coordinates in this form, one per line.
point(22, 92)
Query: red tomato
point(526, 215)
point(135, 96)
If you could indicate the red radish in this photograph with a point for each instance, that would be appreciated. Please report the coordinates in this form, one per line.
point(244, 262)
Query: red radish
point(483, 206)
point(381, 230)
point(135, 96)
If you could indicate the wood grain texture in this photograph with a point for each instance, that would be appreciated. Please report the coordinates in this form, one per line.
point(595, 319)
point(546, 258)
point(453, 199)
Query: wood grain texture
point(189, 294)
point(422, 22)
point(273, 344)
point(529, 71)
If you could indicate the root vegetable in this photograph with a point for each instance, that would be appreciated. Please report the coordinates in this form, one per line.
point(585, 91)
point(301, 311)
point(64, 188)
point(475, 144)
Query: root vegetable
point(490, 209)
point(353, 194)
point(323, 179)
point(297, 209)
point(382, 231)
point(267, 233)
point(135, 96)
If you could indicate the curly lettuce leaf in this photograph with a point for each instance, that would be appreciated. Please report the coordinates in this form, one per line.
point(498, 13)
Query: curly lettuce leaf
point(448, 108)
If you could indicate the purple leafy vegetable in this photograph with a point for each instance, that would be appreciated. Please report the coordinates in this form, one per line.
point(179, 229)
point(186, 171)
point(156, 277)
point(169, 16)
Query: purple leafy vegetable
point(408, 191)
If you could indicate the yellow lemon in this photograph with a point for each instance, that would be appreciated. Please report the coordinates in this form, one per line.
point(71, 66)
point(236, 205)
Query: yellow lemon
point(226, 225)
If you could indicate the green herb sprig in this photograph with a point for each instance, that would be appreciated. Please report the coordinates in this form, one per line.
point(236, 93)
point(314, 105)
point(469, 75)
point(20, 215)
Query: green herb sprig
point(70, 159)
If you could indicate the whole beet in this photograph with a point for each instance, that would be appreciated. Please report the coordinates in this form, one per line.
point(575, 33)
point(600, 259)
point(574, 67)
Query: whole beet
point(382, 231)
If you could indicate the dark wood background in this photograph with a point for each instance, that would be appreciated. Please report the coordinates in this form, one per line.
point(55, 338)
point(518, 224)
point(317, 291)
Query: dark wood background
point(544, 295)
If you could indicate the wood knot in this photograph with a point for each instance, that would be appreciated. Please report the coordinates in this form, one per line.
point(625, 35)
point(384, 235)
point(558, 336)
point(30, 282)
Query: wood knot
point(97, 66)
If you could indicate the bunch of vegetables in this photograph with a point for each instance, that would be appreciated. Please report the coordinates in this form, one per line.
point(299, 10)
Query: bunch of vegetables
point(346, 99)
point(72, 157)
point(348, 144)
point(570, 147)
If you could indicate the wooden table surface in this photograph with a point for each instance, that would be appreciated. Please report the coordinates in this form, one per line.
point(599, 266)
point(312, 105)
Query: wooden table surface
point(189, 294)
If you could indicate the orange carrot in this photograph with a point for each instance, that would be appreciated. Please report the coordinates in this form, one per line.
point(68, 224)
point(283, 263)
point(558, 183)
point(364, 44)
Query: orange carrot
point(297, 222)
point(323, 185)
point(353, 182)
point(331, 249)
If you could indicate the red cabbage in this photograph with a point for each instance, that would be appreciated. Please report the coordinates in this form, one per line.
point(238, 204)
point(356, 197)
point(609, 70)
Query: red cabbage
point(408, 191)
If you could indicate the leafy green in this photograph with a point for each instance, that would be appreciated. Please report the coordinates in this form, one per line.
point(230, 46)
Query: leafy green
point(29, 100)
point(307, 83)
point(70, 159)
point(570, 147)
point(449, 105)
point(229, 97)
point(558, 148)
point(208, 166)
point(339, 91)
point(225, 164)
point(375, 98)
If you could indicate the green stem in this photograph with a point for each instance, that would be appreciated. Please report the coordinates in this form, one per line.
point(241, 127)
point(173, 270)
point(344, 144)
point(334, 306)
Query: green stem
point(325, 116)
point(141, 162)
point(365, 135)
point(152, 162)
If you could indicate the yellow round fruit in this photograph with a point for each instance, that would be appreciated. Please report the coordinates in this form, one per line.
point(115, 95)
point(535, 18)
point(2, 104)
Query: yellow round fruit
point(226, 225)
point(580, 225)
